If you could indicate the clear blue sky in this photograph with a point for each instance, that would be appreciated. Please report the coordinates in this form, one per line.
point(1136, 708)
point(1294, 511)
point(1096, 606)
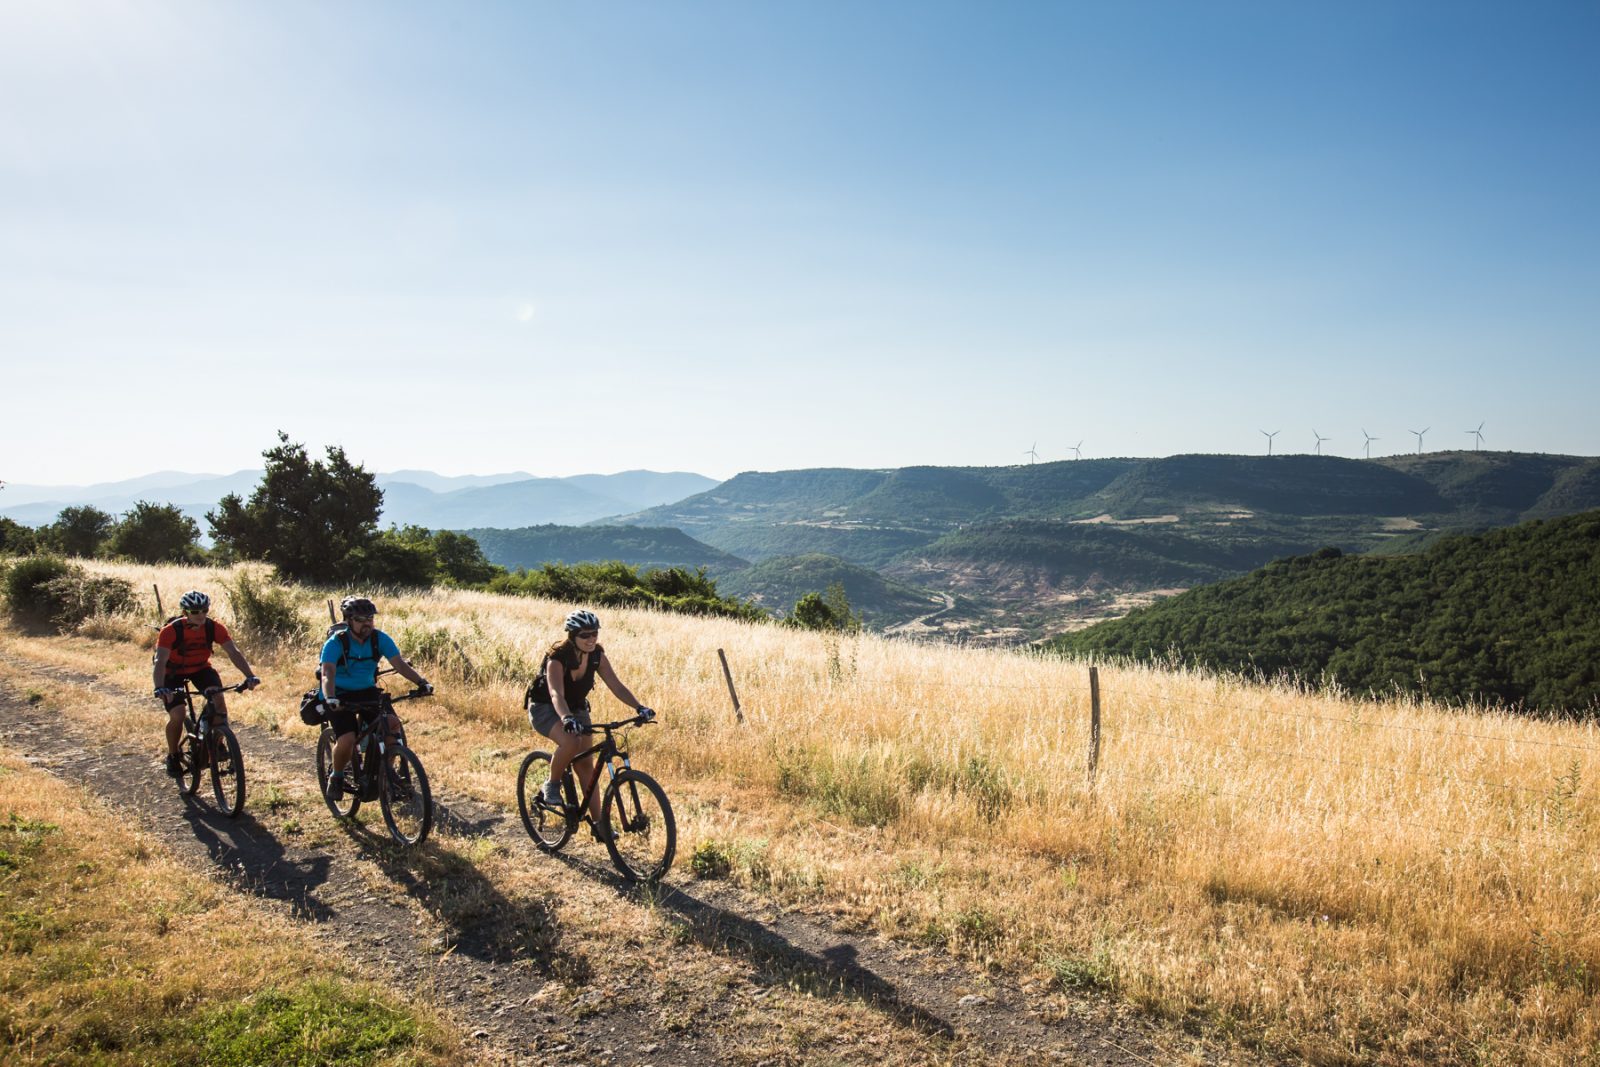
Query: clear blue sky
point(569, 237)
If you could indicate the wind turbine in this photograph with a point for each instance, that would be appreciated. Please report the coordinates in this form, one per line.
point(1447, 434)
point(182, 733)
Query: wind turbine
point(1034, 452)
point(1419, 434)
point(1320, 439)
point(1269, 437)
point(1478, 434)
point(1077, 450)
point(1370, 439)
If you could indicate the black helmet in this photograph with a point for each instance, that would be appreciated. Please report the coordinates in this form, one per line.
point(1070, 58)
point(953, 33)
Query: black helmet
point(356, 605)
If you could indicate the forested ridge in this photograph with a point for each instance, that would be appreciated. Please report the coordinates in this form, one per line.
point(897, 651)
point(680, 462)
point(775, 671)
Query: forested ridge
point(1510, 615)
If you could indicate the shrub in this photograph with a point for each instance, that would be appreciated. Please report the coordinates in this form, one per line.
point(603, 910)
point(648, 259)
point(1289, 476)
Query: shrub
point(265, 610)
point(25, 581)
point(156, 533)
point(711, 859)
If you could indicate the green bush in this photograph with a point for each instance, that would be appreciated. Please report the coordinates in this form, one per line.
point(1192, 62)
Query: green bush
point(47, 588)
point(25, 581)
point(617, 585)
point(264, 610)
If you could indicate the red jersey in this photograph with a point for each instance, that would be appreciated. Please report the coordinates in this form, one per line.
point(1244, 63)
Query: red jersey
point(195, 652)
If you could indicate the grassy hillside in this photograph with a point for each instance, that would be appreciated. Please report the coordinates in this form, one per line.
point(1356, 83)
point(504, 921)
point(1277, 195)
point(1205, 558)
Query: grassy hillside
point(1508, 615)
point(1354, 882)
point(777, 583)
point(639, 546)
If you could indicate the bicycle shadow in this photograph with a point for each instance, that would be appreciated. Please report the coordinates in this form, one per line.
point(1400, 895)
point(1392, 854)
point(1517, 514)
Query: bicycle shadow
point(259, 861)
point(479, 921)
point(832, 971)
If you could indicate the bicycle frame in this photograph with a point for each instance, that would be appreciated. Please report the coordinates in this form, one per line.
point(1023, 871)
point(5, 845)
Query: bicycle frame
point(605, 753)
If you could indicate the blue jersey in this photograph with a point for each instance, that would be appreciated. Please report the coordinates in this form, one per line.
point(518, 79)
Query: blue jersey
point(359, 670)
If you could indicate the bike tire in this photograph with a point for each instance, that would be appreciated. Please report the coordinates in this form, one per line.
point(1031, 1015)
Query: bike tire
point(191, 761)
point(227, 772)
point(346, 805)
point(404, 797)
point(550, 830)
point(640, 832)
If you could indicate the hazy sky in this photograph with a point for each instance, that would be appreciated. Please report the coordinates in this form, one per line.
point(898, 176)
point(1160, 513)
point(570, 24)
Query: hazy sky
point(567, 237)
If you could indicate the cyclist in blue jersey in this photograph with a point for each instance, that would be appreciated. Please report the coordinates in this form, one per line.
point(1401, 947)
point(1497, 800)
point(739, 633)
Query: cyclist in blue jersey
point(350, 681)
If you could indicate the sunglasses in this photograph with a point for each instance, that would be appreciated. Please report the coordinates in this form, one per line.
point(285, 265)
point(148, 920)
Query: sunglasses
point(587, 635)
point(360, 618)
point(197, 612)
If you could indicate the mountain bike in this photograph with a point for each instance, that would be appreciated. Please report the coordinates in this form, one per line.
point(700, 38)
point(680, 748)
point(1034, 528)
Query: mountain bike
point(208, 744)
point(383, 769)
point(636, 821)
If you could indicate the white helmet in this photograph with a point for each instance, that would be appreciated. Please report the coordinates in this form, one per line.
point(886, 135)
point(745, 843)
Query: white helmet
point(582, 620)
point(194, 600)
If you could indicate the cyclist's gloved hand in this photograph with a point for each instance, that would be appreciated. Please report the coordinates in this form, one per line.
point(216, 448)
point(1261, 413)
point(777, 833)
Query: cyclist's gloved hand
point(331, 703)
point(571, 724)
point(426, 688)
point(251, 682)
point(163, 693)
point(646, 714)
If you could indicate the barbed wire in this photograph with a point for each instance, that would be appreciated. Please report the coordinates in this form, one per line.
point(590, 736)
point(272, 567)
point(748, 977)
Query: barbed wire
point(1396, 771)
point(1259, 804)
point(1380, 725)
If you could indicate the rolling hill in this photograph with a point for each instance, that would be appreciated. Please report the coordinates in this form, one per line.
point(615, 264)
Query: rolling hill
point(777, 583)
point(639, 546)
point(1509, 615)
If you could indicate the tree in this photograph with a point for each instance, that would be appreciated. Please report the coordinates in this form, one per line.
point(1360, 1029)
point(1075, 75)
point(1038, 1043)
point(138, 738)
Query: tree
point(461, 560)
point(156, 533)
point(80, 530)
point(17, 539)
point(309, 519)
point(811, 612)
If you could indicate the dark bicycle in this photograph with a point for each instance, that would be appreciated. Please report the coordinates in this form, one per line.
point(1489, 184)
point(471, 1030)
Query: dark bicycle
point(636, 821)
point(208, 744)
point(382, 769)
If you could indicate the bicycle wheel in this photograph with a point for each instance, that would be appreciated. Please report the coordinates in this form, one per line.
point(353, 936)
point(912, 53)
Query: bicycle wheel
point(549, 829)
point(404, 797)
point(227, 772)
point(191, 761)
point(640, 832)
point(345, 805)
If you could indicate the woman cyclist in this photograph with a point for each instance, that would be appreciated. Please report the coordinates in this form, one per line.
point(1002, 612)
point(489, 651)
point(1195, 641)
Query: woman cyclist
point(558, 703)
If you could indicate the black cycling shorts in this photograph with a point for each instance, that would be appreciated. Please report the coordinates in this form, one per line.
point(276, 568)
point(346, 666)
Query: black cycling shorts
point(356, 707)
point(203, 679)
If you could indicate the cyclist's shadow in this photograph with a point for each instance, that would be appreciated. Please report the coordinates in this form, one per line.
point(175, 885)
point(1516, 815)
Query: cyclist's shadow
point(478, 920)
point(252, 854)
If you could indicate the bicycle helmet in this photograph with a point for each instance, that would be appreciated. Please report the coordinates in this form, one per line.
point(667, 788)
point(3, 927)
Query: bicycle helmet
point(582, 620)
point(356, 605)
point(194, 600)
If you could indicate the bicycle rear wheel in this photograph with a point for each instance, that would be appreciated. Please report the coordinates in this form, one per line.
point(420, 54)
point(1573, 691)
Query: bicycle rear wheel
point(549, 829)
point(345, 805)
point(641, 834)
point(227, 771)
point(404, 797)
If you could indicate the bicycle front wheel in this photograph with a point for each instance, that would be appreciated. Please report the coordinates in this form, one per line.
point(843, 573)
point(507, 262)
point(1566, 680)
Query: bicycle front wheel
point(344, 805)
point(403, 794)
point(549, 829)
point(227, 772)
point(640, 832)
point(191, 761)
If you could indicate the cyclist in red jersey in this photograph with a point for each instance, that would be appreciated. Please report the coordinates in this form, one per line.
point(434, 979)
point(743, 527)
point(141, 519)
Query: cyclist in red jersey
point(183, 650)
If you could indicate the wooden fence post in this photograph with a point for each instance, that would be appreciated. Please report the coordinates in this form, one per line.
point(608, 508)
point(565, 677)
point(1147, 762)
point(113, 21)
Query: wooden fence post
point(1094, 721)
point(727, 674)
point(161, 612)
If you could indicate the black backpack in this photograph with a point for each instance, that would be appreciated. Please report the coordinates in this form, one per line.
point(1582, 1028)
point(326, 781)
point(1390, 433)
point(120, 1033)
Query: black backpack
point(177, 640)
point(342, 632)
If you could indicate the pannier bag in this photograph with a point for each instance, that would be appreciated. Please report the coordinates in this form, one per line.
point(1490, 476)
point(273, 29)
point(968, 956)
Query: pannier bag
point(311, 710)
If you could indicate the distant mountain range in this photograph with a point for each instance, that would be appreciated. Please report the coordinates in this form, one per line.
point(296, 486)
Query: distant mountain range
point(1046, 547)
point(410, 497)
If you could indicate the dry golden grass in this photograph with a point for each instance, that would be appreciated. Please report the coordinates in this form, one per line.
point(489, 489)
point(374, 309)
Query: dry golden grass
point(112, 952)
point(1350, 881)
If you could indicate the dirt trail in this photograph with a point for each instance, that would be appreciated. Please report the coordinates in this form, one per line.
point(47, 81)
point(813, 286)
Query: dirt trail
point(508, 970)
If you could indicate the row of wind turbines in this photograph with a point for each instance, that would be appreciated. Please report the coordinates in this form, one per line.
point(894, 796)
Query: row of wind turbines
point(1476, 435)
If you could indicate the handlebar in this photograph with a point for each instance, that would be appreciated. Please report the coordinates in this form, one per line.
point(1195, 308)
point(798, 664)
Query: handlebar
point(637, 720)
point(188, 684)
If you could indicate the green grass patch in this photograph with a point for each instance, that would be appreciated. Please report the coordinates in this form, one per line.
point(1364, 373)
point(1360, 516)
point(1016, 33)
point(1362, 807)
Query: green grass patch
point(318, 1024)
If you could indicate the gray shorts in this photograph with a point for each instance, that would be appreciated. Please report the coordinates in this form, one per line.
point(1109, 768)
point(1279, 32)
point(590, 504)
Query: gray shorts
point(547, 722)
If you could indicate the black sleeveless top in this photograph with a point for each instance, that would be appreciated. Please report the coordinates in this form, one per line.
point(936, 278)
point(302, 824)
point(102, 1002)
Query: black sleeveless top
point(577, 687)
